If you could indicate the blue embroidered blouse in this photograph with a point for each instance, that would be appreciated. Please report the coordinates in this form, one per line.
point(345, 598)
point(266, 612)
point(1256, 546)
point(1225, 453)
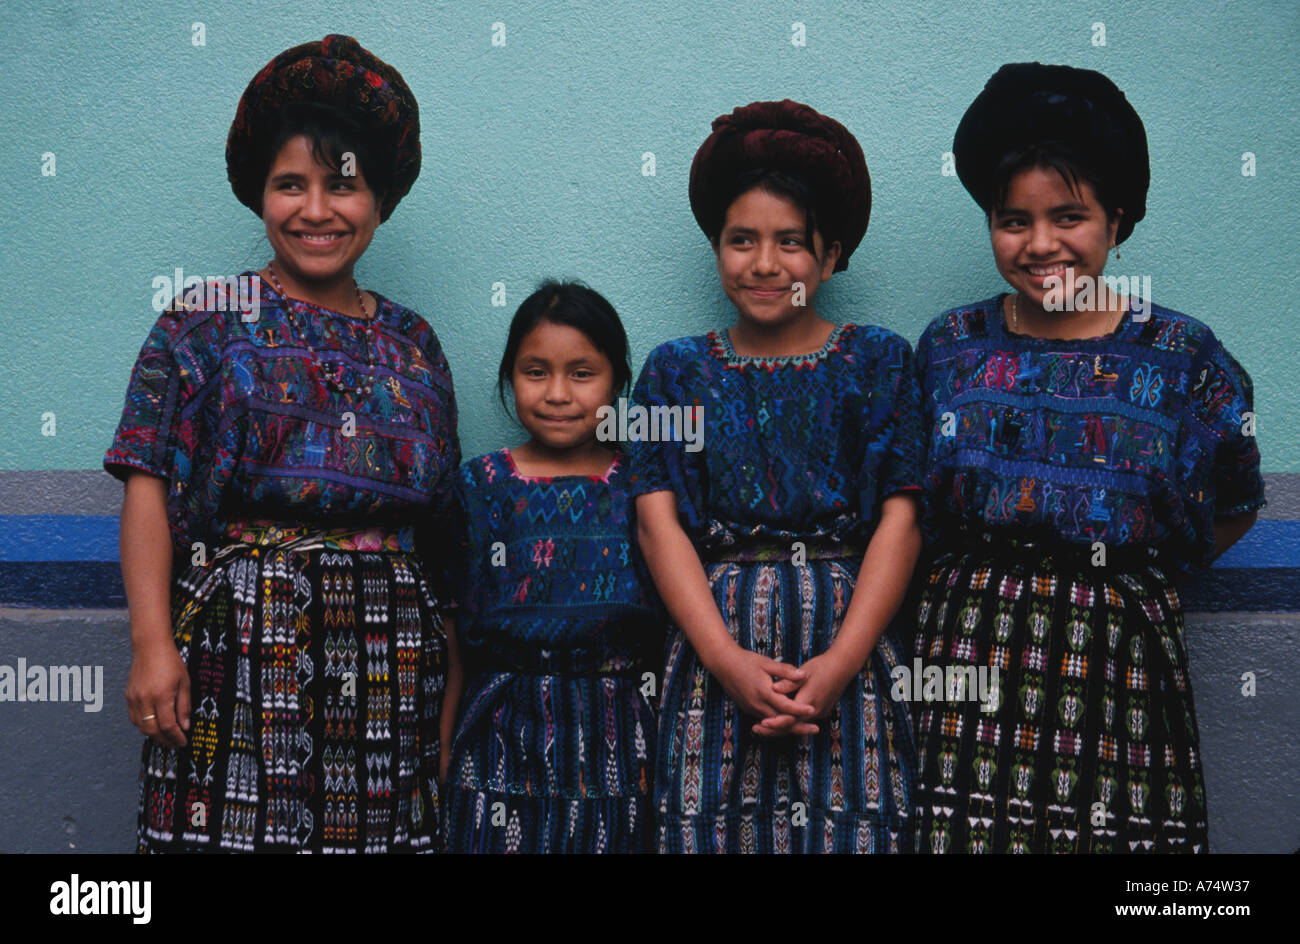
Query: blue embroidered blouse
point(1138, 438)
point(793, 447)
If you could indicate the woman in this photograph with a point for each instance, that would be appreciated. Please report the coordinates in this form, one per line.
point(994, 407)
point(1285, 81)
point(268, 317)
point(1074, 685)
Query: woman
point(1085, 451)
point(280, 461)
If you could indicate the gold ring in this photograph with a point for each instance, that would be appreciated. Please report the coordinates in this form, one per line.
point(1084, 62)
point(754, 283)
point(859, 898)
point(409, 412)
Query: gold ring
point(147, 718)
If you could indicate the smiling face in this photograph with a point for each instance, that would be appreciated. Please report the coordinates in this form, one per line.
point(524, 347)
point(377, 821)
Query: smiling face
point(1045, 228)
point(319, 222)
point(763, 251)
point(560, 380)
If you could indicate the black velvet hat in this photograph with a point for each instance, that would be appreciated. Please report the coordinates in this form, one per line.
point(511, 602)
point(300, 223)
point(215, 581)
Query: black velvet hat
point(1028, 103)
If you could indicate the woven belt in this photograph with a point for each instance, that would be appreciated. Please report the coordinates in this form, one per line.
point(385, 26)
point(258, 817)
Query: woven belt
point(769, 550)
point(245, 534)
point(1042, 544)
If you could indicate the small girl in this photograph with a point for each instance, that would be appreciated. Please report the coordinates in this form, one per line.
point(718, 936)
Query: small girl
point(554, 746)
point(777, 731)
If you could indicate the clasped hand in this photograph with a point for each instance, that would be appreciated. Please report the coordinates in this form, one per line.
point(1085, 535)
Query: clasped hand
point(788, 699)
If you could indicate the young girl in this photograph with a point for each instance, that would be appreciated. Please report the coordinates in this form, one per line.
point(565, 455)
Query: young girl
point(1080, 456)
point(777, 733)
point(280, 464)
point(554, 746)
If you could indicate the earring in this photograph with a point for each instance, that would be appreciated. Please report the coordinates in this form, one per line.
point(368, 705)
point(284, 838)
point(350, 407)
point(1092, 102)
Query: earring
point(1117, 255)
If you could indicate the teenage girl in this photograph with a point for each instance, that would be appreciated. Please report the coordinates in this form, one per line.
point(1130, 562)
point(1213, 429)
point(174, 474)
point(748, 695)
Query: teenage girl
point(777, 733)
point(1081, 458)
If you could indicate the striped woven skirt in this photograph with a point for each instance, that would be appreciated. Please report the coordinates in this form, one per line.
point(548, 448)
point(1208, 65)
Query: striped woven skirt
point(546, 763)
point(1088, 740)
point(721, 788)
point(316, 677)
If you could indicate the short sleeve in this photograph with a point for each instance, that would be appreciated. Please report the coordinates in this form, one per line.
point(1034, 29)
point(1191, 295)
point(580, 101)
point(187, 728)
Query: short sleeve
point(148, 435)
point(920, 371)
point(665, 465)
point(892, 461)
point(166, 426)
point(650, 464)
point(1224, 398)
point(931, 437)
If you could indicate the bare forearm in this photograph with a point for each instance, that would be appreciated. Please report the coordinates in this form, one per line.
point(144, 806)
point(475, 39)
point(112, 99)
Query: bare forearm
point(146, 551)
point(682, 584)
point(882, 582)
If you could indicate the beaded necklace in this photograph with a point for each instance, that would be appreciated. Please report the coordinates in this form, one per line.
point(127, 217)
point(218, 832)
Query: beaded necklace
point(337, 382)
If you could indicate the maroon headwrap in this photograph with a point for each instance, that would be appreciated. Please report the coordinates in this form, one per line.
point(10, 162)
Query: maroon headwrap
point(794, 139)
point(335, 71)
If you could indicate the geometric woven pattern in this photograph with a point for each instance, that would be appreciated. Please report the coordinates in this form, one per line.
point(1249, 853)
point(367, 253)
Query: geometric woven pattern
point(554, 739)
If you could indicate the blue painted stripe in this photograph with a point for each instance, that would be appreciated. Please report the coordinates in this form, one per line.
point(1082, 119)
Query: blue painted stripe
point(62, 585)
point(59, 538)
point(1241, 590)
point(71, 562)
point(1270, 544)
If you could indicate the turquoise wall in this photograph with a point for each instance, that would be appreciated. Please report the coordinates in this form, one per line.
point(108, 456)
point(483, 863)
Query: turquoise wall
point(532, 167)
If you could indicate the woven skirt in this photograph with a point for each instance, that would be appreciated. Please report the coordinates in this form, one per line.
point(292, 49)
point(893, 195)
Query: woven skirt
point(1087, 740)
point(551, 764)
point(316, 675)
point(721, 788)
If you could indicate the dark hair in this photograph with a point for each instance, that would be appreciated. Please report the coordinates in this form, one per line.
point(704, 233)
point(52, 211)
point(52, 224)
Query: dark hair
point(1049, 155)
point(779, 184)
point(576, 306)
point(332, 133)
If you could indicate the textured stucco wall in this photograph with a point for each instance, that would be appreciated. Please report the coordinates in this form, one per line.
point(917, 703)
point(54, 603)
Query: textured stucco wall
point(533, 158)
point(532, 167)
point(69, 778)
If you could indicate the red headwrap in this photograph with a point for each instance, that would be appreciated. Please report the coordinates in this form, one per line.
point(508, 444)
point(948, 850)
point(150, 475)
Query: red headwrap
point(794, 139)
point(335, 71)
